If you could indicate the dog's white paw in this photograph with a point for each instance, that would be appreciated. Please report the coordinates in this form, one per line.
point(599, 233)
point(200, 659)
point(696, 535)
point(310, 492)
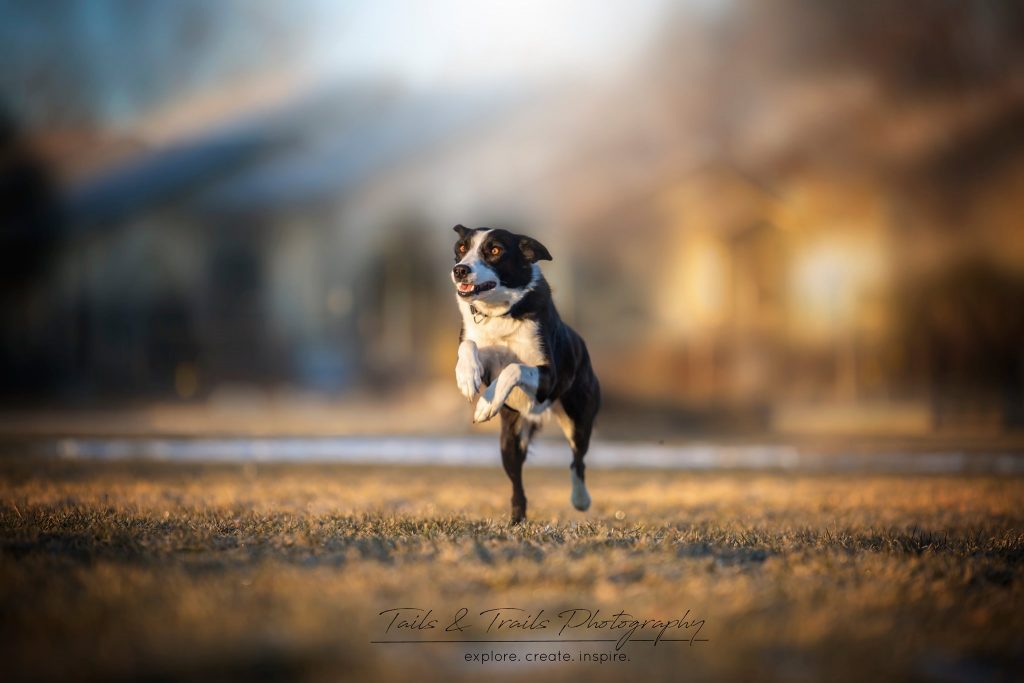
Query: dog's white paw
point(494, 396)
point(469, 375)
point(485, 410)
point(580, 499)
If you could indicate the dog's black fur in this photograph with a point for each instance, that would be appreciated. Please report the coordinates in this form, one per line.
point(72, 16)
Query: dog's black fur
point(512, 332)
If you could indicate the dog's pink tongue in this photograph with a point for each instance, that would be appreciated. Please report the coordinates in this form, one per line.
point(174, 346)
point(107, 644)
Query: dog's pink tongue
point(466, 287)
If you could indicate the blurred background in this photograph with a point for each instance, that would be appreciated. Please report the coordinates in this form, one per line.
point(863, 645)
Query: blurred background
point(768, 217)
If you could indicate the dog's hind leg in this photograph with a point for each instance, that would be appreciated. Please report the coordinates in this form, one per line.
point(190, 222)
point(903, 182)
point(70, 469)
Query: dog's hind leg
point(576, 416)
point(515, 438)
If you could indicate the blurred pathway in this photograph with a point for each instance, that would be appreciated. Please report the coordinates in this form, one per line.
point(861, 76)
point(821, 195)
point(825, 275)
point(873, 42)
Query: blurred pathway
point(483, 451)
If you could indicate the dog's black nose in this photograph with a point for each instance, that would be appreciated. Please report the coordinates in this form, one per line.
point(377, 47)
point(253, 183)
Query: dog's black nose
point(460, 272)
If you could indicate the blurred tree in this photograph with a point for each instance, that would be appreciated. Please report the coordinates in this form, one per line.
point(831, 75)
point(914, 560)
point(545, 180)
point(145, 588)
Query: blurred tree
point(965, 326)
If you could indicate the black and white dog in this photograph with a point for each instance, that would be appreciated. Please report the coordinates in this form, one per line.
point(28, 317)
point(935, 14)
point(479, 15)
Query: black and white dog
point(515, 347)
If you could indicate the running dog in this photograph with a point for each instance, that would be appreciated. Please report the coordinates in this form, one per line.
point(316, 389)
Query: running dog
point(516, 356)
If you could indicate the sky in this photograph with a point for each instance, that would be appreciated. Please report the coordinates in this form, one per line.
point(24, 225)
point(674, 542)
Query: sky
point(114, 61)
point(455, 42)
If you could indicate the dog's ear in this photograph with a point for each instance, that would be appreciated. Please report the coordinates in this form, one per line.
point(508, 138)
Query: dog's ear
point(533, 250)
point(462, 230)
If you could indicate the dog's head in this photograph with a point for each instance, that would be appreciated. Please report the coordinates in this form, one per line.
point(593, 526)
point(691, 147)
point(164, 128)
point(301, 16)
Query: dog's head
point(493, 265)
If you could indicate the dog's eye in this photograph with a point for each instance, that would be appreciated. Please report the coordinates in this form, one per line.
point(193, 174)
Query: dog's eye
point(462, 248)
point(495, 251)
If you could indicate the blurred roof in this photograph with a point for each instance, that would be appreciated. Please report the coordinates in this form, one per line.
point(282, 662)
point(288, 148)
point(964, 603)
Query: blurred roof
point(313, 147)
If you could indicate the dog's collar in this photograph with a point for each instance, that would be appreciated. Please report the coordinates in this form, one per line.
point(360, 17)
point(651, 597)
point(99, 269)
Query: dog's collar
point(478, 315)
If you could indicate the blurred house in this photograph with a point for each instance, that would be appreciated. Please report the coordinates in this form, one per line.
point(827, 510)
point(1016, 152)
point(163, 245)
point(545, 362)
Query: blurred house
point(240, 256)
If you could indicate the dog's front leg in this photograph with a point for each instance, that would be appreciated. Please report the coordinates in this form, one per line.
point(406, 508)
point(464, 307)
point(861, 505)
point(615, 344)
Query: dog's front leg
point(526, 377)
point(469, 373)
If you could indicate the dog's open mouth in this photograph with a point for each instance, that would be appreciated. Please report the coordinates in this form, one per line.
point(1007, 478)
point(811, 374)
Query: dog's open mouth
point(469, 289)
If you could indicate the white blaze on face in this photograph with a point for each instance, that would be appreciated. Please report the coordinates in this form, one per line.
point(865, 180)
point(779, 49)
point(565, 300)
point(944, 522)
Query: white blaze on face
point(480, 272)
point(499, 299)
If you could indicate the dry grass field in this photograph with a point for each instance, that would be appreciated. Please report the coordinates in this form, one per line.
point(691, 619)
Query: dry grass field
point(161, 571)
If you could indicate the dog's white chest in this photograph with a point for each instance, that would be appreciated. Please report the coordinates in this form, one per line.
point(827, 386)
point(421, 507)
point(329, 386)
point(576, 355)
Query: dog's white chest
point(501, 341)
